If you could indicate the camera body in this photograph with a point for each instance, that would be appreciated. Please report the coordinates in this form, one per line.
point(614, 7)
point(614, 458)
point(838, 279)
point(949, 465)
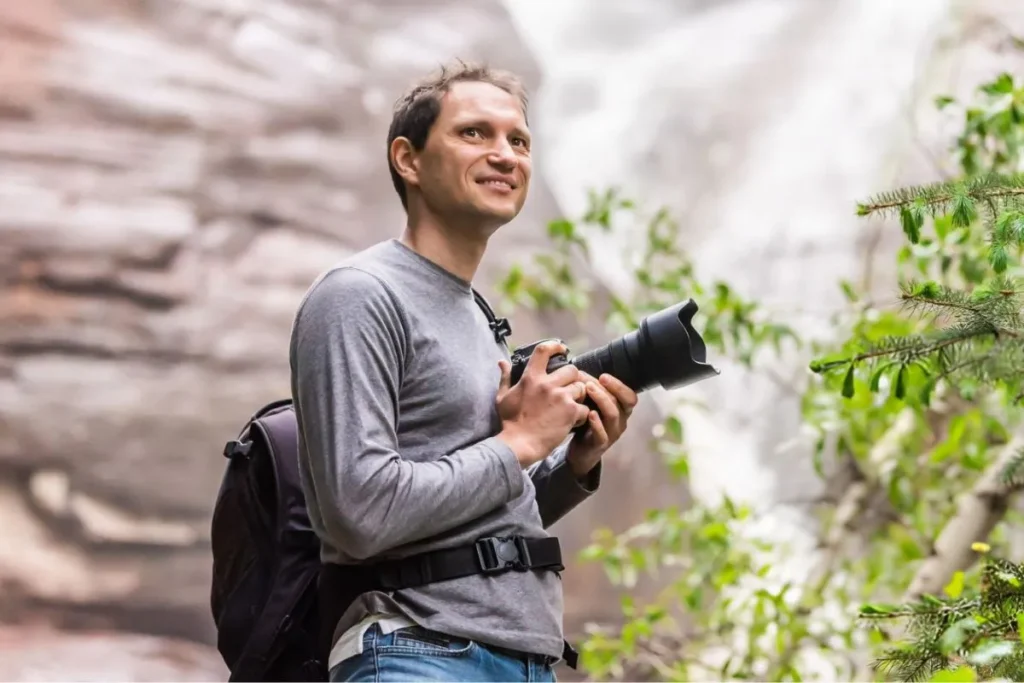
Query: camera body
point(521, 357)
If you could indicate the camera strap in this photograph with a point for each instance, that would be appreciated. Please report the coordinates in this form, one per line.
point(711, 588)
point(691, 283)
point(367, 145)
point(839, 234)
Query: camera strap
point(499, 326)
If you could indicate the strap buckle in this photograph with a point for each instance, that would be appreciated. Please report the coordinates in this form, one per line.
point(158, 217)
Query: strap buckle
point(501, 328)
point(498, 554)
point(237, 448)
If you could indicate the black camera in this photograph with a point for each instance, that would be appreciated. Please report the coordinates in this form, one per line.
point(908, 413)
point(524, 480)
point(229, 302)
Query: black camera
point(665, 350)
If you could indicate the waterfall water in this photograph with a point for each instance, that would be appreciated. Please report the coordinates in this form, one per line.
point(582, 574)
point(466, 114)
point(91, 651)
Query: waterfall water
point(760, 123)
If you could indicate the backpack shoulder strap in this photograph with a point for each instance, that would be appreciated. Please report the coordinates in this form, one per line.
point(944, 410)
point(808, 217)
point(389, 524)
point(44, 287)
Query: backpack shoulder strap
point(280, 432)
point(500, 326)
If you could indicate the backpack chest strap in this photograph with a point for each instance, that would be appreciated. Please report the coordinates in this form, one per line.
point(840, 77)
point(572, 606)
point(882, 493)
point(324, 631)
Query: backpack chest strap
point(341, 584)
point(493, 555)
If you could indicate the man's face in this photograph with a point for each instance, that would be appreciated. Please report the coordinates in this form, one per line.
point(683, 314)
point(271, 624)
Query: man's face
point(475, 167)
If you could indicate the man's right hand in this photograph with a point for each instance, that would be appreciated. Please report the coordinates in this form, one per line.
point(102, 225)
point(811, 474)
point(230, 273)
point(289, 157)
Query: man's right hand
point(541, 409)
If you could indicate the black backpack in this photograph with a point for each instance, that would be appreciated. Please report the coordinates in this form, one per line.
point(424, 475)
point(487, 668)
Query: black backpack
point(266, 557)
point(271, 595)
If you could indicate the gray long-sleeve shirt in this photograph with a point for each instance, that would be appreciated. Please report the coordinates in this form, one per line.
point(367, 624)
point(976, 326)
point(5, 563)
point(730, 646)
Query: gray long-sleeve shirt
point(394, 377)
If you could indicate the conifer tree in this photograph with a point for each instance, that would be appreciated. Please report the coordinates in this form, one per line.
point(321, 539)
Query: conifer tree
point(968, 340)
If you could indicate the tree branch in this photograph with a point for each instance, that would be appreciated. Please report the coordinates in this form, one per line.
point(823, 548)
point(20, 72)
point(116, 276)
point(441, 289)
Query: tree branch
point(854, 502)
point(978, 512)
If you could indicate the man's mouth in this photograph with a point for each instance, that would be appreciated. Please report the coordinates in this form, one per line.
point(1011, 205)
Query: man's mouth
point(498, 183)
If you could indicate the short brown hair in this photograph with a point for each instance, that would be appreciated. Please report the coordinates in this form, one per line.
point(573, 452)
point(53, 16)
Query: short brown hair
point(417, 110)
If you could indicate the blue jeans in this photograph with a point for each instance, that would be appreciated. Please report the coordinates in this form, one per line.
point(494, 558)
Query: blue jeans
point(416, 654)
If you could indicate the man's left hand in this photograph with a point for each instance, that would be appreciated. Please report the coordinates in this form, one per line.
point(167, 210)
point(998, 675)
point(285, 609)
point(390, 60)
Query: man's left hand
point(615, 403)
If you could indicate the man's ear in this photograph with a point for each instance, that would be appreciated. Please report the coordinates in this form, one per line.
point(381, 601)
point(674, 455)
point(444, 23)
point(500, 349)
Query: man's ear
point(405, 160)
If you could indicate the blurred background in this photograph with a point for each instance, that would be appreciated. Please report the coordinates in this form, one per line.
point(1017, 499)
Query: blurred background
point(173, 175)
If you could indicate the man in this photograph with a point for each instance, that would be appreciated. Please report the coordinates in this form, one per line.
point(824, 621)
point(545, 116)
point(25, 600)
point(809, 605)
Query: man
point(411, 438)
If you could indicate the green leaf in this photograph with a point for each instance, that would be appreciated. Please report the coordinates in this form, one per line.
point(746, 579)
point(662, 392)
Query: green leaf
point(674, 428)
point(998, 258)
point(822, 365)
point(964, 673)
point(848, 389)
point(964, 211)
point(876, 378)
point(561, 229)
point(877, 609)
point(1003, 85)
point(900, 388)
point(679, 466)
point(912, 220)
point(955, 636)
point(926, 392)
point(955, 587)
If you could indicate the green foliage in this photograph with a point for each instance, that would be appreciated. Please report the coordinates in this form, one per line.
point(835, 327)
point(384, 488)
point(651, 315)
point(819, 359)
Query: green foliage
point(911, 404)
point(965, 239)
point(962, 305)
point(972, 331)
point(978, 635)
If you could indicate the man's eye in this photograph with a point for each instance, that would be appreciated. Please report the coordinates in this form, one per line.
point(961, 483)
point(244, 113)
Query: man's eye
point(471, 131)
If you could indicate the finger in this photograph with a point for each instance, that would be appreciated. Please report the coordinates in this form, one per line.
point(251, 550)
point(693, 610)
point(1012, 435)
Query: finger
point(576, 390)
point(582, 414)
point(538, 363)
point(564, 376)
point(598, 434)
point(623, 394)
point(604, 401)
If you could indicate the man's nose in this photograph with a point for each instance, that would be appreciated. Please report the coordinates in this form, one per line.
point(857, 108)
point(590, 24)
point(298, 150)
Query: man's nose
point(503, 156)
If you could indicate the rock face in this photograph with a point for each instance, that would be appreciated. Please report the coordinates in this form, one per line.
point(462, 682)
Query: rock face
point(40, 654)
point(172, 178)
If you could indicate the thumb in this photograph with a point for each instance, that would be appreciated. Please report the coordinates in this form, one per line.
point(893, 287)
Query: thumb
point(506, 377)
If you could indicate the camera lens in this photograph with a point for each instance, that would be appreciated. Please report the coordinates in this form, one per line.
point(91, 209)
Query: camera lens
point(665, 350)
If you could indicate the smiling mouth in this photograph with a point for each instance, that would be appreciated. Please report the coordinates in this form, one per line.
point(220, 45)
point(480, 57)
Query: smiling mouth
point(499, 184)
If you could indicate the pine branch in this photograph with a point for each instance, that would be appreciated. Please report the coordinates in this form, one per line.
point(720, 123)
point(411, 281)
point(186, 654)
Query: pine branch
point(910, 665)
point(981, 631)
point(1012, 475)
point(997, 305)
point(956, 197)
point(978, 511)
point(911, 348)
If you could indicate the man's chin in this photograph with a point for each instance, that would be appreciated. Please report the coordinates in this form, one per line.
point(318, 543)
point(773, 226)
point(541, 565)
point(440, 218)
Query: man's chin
point(494, 215)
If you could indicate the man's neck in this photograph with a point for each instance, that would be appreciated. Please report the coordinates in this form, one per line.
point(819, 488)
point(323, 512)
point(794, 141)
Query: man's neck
point(456, 252)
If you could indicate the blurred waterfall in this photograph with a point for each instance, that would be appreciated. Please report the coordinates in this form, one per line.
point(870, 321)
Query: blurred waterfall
point(760, 123)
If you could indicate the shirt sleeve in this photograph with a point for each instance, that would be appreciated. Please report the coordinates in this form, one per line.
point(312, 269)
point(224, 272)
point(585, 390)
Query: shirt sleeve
point(558, 489)
point(349, 350)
